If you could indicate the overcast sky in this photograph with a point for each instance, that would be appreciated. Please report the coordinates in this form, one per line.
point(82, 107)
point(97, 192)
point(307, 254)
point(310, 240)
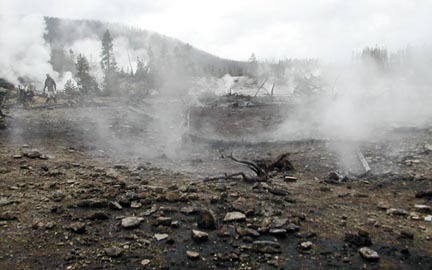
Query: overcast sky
point(272, 29)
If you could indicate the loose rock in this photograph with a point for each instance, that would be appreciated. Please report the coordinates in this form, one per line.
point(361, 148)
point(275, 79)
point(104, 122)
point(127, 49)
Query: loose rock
point(199, 236)
point(77, 227)
point(306, 245)
point(113, 252)
point(160, 236)
point(131, 222)
point(266, 247)
point(397, 212)
point(193, 255)
point(369, 254)
point(234, 216)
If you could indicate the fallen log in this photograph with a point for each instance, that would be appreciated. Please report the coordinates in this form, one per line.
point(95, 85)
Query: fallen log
point(149, 115)
point(363, 162)
point(260, 168)
point(282, 163)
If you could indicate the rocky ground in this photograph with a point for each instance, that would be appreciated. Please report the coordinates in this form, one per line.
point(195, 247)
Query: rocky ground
point(73, 198)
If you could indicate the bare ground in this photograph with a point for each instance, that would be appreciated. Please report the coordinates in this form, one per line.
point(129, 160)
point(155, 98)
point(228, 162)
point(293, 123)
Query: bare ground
point(56, 210)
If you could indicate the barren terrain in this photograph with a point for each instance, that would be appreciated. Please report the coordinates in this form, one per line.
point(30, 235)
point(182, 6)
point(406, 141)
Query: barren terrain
point(99, 187)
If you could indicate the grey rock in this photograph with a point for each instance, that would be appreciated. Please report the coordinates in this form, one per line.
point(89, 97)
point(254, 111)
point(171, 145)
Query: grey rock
point(199, 236)
point(369, 254)
point(278, 232)
point(57, 195)
point(115, 205)
point(290, 228)
point(234, 216)
point(247, 232)
point(306, 245)
point(77, 227)
point(193, 255)
point(93, 203)
point(145, 262)
point(160, 236)
point(266, 247)
point(164, 221)
point(131, 222)
point(188, 210)
point(278, 222)
point(423, 208)
point(113, 252)
point(397, 212)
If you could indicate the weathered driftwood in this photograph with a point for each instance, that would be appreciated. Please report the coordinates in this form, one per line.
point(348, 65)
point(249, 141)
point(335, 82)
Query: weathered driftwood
point(261, 87)
point(363, 162)
point(138, 111)
point(260, 168)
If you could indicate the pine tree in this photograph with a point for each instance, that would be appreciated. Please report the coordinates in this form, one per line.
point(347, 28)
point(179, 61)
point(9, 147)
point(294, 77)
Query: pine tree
point(253, 66)
point(141, 70)
point(109, 64)
point(86, 83)
point(107, 55)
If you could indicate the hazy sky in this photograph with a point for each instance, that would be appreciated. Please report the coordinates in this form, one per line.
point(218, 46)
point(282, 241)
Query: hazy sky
point(270, 28)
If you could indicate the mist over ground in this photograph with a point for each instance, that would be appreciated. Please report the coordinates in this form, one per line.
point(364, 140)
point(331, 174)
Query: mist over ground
point(341, 96)
point(216, 134)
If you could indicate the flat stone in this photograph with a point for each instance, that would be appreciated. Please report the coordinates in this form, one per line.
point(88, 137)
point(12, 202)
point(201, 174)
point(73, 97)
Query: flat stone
point(428, 147)
point(397, 212)
point(234, 216)
point(369, 254)
point(266, 247)
point(93, 203)
point(151, 211)
point(290, 228)
point(172, 196)
point(279, 222)
point(424, 194)
point(145, 262)
point(113, 252)
point(383, 206)
point(115, 205)
point(243, 205)
point(131, 222)
point(175, 224)
point(135, 205)
point(5, 201)
point(290, 179)
point(188, 210)
point(57, 195)
point(278, 232)
point(423, 208)
point(112, 173)
point(199, 236)
point(77, 227)
point(333, 176)
point(360, 239)
point(164, 221)
point(193, 255)
point(34, 153)
point(407, 234)
point(278, 191)
point(247, 232)
point(120, 166)
point(306, 245)
point(160, 236)
point(224, 231)
point(98, 216)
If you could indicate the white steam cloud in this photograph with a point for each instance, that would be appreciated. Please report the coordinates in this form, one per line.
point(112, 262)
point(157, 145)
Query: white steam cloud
point(24, 52)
